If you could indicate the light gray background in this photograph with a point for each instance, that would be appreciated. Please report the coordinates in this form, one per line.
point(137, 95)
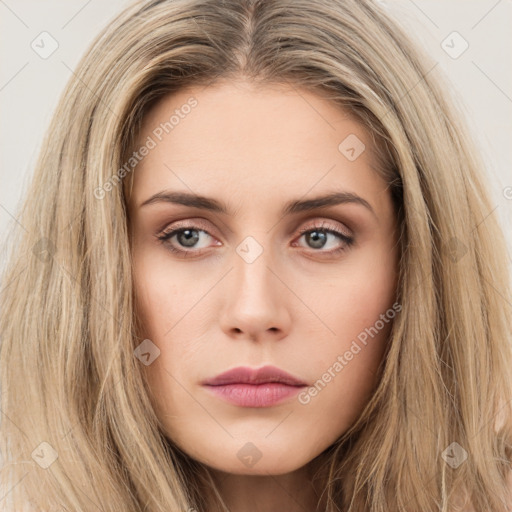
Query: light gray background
point(480, 79)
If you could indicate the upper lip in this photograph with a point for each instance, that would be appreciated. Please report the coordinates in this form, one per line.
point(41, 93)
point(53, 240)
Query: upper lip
point(246, 375)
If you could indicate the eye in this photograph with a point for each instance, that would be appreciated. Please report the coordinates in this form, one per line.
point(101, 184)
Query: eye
point(319, 237)
point(187, 239)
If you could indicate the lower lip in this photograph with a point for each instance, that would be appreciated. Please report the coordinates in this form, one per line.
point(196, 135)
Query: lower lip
point(255, 395)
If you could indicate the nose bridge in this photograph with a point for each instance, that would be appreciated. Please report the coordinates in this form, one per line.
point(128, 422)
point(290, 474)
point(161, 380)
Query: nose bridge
point(252, 261)
point(254, 302)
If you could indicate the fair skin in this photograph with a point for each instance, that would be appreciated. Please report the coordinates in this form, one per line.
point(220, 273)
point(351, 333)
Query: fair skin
point(297, 306)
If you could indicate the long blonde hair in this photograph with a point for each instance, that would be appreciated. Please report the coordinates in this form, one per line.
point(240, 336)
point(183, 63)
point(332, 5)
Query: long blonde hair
point(78, 430)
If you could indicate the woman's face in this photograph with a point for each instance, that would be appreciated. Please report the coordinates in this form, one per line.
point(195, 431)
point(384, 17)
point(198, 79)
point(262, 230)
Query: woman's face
point(264, 272)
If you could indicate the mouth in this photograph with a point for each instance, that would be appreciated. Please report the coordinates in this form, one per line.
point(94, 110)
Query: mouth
point(247, 387)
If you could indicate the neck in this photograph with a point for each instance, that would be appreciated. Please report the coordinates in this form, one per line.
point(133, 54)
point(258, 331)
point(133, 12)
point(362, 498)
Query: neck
point(293, 492)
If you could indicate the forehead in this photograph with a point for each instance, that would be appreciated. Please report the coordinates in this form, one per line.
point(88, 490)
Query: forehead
point(235, 137)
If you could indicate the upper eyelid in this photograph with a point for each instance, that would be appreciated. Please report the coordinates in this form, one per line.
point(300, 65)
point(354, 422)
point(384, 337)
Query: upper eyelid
point(202, 224)
point(327, 227)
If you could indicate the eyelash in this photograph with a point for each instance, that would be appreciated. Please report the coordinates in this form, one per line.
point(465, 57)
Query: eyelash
point(165, 236)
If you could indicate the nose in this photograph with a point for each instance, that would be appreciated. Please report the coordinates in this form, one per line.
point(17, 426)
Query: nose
point(255, 301)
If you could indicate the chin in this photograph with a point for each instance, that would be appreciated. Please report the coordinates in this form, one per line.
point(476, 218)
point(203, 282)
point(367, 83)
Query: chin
point(258, 457)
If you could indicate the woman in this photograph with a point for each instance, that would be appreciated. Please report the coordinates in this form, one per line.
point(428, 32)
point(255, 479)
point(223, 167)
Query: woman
point(258, 273)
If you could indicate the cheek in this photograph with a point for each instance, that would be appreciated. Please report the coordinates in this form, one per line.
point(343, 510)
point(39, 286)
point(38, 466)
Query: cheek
point(359, 308)
point(355, 294)
point(164, 295)
point(171, 306)
point(345, 370)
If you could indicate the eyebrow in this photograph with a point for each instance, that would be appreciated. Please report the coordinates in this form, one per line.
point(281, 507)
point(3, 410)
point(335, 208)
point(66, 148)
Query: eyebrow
point(294, 206)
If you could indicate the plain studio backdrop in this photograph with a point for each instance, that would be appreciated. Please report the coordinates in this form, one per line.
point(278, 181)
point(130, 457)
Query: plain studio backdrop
point(41, 43)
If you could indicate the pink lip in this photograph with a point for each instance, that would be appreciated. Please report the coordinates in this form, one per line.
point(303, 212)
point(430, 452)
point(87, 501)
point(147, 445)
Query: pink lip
point(247, 387)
